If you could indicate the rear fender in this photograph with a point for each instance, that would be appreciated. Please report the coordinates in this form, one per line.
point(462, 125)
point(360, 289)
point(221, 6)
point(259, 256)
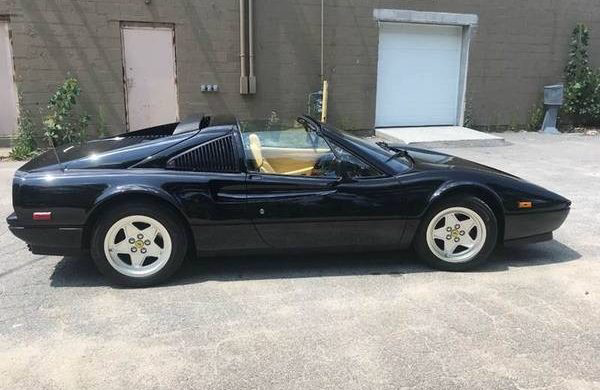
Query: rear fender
point(124, 193)
point(134, 190)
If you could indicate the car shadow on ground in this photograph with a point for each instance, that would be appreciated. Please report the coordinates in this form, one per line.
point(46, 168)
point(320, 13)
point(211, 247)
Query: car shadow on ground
point(80, 272)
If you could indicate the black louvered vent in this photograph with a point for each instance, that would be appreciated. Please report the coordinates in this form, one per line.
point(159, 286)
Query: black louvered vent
point(218, 155)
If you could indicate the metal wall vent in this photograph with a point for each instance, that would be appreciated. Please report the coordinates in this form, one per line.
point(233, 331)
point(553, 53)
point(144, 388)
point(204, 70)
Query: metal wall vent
point(219, 155)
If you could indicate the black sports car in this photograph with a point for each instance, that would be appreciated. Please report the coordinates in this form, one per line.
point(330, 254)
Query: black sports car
point(141, 201)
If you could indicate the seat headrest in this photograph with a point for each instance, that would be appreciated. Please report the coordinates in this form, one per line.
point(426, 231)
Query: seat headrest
point(256, 149)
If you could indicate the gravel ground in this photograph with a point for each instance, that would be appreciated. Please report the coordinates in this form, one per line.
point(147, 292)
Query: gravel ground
point(527, 320)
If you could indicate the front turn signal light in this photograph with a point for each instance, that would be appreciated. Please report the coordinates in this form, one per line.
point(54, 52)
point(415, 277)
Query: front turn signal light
point(525, 204)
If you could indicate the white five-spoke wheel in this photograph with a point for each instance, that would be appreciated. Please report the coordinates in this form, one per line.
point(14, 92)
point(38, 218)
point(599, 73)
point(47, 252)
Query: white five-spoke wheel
point(140, 243)
point(457, 233)
point(137, 246)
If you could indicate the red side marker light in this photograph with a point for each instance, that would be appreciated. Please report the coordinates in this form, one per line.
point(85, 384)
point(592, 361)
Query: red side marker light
point(525, 205)
point(42, 216)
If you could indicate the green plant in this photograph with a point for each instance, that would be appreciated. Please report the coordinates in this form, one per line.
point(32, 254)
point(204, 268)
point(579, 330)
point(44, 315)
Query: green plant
point(468, 121)
point(272, 120)
point(582, 82)
point(24, 146)
point(102, 128)
point(514, 124)
point(62, 124)
point(536, 117)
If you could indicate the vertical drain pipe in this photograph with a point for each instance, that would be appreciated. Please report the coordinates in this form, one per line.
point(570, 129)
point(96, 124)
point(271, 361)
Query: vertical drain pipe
point(322, 40)
point(244, 74)
point(252, 76)
point(325, 88)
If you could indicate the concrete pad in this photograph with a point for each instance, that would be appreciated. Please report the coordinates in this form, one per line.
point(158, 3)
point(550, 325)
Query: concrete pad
point(439, 136)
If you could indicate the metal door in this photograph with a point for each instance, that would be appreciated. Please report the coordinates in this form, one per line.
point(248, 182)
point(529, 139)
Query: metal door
point(150, 75)
point(8, 92)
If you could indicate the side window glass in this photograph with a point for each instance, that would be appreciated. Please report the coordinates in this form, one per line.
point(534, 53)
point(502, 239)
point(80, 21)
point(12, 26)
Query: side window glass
point(353, 166)
point(286, 149)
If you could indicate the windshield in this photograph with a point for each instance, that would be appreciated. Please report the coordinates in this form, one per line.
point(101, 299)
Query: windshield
point(398, 163)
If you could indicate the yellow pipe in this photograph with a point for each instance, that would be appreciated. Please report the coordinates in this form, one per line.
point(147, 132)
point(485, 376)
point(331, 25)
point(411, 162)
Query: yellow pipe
point(325, 99)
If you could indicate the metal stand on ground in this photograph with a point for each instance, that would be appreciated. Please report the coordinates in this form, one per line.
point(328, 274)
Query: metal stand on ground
point(553, 100)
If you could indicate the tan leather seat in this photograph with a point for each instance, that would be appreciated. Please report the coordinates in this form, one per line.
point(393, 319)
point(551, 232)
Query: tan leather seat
point(256, 149)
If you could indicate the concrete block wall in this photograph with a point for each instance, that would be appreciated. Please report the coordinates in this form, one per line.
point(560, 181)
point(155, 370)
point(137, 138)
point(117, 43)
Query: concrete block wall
point(519, 47)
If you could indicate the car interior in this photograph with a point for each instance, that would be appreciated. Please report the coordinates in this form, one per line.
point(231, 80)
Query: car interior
point(282, 160)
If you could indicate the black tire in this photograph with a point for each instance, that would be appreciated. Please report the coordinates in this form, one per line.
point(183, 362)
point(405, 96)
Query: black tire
point(161, 213)
point(472, 203)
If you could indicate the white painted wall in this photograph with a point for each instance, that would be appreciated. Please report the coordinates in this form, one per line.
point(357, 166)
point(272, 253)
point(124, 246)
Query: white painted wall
point(8, 93)
point(418, 74)
point(150, 76)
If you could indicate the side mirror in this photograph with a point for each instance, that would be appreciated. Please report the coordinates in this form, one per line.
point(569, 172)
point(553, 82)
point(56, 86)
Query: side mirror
point(343, 172)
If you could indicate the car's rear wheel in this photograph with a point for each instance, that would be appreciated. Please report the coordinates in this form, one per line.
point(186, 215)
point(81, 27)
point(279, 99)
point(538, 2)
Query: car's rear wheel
point(457, 234)
point(139, 244)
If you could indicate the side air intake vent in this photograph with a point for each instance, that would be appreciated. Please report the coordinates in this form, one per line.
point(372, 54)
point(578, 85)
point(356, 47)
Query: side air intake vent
point(218, 155)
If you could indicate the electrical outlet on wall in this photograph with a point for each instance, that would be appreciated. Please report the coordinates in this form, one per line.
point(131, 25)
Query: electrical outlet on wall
point(209, 87)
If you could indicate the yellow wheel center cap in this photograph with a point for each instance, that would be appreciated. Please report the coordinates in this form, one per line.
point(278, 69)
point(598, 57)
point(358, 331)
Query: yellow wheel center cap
point(455, 233)
point(139, 244)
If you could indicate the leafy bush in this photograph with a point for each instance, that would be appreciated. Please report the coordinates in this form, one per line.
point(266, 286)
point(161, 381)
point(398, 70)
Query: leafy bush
point(25, 145)
point(536, 117)
point(582, 98)
point(62, 124)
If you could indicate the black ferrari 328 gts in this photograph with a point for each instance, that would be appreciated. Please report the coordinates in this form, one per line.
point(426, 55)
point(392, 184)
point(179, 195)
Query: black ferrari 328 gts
point(141, 201)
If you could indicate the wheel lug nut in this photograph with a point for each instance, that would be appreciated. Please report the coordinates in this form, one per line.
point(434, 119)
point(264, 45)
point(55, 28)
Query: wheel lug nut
point(448, 229)
point(131, 240)
point(140, 236)
point(147, 242)
point(456, 239)
point(462, 232)
point(457, 226)
point(143, 250)
point(448, 237)
point(133, 249)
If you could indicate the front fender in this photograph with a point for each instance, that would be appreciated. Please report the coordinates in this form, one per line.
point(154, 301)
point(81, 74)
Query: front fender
point(452, 187)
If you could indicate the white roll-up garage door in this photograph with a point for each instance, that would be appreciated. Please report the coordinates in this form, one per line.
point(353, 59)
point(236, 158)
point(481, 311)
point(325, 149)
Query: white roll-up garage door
point(418, 75)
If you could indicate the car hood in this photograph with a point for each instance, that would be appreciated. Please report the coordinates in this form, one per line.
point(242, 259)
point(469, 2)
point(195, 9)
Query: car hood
point(429, 160)
point(114, 152)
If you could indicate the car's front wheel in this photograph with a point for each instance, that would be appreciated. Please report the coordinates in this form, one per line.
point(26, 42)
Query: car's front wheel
point(457, 234)
point(139, 244)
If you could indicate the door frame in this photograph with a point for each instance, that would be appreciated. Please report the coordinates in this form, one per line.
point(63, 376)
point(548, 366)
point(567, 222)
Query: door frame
point(123, 25)
point(468, 22)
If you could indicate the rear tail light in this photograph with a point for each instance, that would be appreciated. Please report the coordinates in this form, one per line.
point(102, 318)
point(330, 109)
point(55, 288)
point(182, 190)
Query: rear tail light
point(42, 216)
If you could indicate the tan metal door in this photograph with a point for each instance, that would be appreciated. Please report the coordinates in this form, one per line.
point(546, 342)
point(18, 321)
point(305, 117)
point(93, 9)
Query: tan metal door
point(8, 91)
point(150, 75)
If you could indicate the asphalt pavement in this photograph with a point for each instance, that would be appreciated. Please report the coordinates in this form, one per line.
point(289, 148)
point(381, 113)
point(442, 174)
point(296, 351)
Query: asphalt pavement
point(529, 319)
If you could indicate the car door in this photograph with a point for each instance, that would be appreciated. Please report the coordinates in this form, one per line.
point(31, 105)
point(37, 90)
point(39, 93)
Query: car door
point(318, 207)
point(294, 212)
point(207, 181)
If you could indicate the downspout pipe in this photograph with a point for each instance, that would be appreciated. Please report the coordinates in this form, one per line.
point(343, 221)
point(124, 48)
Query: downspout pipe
point(252, 76)
point(243, 71)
